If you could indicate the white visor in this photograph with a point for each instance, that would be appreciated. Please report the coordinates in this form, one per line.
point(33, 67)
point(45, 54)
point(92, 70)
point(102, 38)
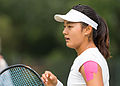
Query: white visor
point(76, 16)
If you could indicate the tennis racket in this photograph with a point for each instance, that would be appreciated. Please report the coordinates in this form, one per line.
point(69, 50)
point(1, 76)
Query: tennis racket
point(20, 75)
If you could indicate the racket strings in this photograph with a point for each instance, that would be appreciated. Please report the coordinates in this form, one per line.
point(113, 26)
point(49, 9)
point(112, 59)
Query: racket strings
point(20, 76)
point(5, 79)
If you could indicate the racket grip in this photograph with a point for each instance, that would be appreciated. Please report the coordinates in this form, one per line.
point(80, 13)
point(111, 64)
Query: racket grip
point(59, 83)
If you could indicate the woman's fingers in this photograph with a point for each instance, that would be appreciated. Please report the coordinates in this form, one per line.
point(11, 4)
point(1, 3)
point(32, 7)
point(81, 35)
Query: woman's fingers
point(44, 78)
point(49, 75)
point(49, 79)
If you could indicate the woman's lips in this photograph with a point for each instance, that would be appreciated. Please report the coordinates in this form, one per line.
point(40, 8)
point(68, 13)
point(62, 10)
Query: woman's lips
point(67, 39)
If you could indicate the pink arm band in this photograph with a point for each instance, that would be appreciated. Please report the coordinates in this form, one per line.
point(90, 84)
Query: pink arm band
point(90, 67)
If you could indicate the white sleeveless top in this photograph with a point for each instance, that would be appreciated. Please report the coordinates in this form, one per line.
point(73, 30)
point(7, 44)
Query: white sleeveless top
point(92, 54)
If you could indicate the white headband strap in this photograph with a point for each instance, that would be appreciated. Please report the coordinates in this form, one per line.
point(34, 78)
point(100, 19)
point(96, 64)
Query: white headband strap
point(76, 16)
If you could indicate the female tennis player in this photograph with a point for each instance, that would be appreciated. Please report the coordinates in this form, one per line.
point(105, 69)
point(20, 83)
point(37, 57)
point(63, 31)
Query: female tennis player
point(87, 33)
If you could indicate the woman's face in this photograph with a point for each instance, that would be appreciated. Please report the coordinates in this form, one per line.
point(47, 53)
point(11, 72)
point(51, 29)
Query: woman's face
point(73, 33)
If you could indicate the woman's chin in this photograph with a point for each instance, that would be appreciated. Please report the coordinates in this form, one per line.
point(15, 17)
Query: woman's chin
point(69, 45)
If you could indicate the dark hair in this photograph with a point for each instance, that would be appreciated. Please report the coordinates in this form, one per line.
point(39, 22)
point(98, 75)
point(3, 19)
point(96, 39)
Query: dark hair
point(101, 35)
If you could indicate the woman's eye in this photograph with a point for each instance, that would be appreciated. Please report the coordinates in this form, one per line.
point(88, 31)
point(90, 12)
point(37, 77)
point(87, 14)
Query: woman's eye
point(69, 26)
point(64, 26)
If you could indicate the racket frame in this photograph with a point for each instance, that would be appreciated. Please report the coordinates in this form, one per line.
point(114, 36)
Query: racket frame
point(25, 66)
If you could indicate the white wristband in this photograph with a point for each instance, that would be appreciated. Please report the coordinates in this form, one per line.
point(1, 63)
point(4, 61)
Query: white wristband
point(59, 83)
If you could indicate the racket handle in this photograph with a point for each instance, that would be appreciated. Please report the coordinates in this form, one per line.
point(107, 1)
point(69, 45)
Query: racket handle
point(59, 83)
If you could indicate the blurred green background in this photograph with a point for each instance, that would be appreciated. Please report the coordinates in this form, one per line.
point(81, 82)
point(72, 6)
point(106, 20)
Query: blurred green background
point(30, 35)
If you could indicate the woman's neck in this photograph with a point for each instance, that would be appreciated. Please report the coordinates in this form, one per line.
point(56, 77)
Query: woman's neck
point(85, 46)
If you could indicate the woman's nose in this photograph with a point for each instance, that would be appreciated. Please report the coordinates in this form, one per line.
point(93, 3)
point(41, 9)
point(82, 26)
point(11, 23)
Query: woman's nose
point(65, 31)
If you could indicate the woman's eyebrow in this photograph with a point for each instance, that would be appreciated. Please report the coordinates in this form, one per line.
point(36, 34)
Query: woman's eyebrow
point(69, 22)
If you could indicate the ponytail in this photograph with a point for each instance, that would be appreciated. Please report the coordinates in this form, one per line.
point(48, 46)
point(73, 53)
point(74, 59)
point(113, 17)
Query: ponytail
point(101, 37)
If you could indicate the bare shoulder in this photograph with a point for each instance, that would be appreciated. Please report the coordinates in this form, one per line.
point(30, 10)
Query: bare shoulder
point(92, 74)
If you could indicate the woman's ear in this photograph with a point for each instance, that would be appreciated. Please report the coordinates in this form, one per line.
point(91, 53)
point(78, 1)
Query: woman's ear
point(88, 30)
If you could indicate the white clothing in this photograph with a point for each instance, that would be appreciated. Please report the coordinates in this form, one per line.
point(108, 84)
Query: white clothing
point(3, 64)
point(5, 78)
point(92, 54)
